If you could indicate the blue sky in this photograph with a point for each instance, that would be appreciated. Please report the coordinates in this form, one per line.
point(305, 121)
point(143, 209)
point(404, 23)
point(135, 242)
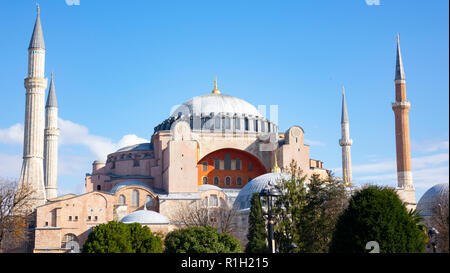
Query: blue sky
point(120, 66)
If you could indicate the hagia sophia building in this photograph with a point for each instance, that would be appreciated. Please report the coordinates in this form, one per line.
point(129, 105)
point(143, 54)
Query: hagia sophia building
point(214, 149)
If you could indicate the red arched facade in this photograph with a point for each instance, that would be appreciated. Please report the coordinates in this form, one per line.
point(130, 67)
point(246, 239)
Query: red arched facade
point(229, 168)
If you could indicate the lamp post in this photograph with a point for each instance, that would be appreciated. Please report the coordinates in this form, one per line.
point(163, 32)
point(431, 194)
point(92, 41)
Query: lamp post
point(267, 198)
point(432, 232)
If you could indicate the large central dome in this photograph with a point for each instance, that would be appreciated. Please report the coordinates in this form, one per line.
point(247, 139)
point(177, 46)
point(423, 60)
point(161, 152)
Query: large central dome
point(217, 104)
point(217, 112)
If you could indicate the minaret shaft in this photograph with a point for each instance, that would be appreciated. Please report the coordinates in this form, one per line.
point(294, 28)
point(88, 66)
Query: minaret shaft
point(345, 142)
point(33, 145)
point(401, 108)
point(51, 144)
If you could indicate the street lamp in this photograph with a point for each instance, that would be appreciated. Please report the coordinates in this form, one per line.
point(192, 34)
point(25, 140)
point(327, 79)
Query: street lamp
point(267, 197)
point(432, 232)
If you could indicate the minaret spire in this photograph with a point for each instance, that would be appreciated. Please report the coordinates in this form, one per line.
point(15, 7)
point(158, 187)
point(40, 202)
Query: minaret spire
point(51, 143)
point(399, 71)
point(345, 142)
point(402, 139)
point(37, 39)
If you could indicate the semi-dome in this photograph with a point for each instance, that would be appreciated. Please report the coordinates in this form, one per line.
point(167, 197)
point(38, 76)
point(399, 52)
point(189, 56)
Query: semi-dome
point(122, 185)
point(146, 146)
point(242, 201)
point(436, 194)
point(145, 217)
point(217, 104)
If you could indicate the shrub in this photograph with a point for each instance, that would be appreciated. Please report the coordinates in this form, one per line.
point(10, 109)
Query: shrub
point(377, 214)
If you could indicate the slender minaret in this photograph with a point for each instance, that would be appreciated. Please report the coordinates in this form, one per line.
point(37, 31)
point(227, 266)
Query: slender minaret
point(345, 142)
point(51, 143)
point(32, 173)
point(401, 108)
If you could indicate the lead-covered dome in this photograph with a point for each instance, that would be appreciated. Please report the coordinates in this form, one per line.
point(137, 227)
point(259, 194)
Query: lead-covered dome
point(242, 201)
point(148, 217)
point(216, 104)
point(436, 194)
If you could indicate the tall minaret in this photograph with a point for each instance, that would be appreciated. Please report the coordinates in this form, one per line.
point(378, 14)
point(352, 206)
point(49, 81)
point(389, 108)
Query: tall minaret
point(32, 172)
point(345, 142)
point(401, 108)
point(51, 143)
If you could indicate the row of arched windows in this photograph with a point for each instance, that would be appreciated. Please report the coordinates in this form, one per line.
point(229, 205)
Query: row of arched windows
point(228, 180)
point(227, 164)
point(135, 199)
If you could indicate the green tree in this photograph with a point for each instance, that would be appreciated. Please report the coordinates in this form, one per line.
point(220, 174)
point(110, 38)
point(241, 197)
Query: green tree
point(288, 210)
point(200, 240)
point(257, 234)
point(325, 201)
point(307, 212)
point(377, 214)
point(143, 240)
point(117, 237)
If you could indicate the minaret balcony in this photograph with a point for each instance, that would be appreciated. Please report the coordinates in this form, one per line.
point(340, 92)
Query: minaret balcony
point(345, 142)
point(401, 104)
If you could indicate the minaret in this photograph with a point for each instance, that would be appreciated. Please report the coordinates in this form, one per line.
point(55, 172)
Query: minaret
point(345, 142)
point(32, 172)
point(401, 108)
point(51, 143)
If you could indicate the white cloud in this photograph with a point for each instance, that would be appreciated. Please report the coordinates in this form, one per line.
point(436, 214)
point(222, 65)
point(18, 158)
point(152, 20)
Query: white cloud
point(12, 135)
point(314, 142)
point(429, 146)
point(10, 165)
point(73, 133)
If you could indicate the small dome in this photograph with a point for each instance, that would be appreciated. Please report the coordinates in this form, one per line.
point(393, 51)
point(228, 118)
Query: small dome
point(242, 201)
point(217, 103)
point(145, 217)
point(208, 187)
point(121, 185)
point(433, 196)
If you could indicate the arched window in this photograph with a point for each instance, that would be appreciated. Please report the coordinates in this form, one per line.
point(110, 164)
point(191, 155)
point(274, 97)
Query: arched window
point(246, 124)
point(238, 164)
point(205, 166)
point(256, 125)
point(227, 163)
point(217, 164)
point(250, 167)
point(216, 180)
point(148, 202)
point(205, 180)
point(99, 187)
point(227, 123)
point(228, 180)
point(217, 123)
point(239, 180)
point(135, 198)
point(122, 199)
point(237, 124)
point(213, 201)
point(69, 237)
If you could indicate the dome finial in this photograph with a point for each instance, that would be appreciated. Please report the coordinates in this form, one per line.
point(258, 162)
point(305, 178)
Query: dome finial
point(275, 168)
point(215, 91)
